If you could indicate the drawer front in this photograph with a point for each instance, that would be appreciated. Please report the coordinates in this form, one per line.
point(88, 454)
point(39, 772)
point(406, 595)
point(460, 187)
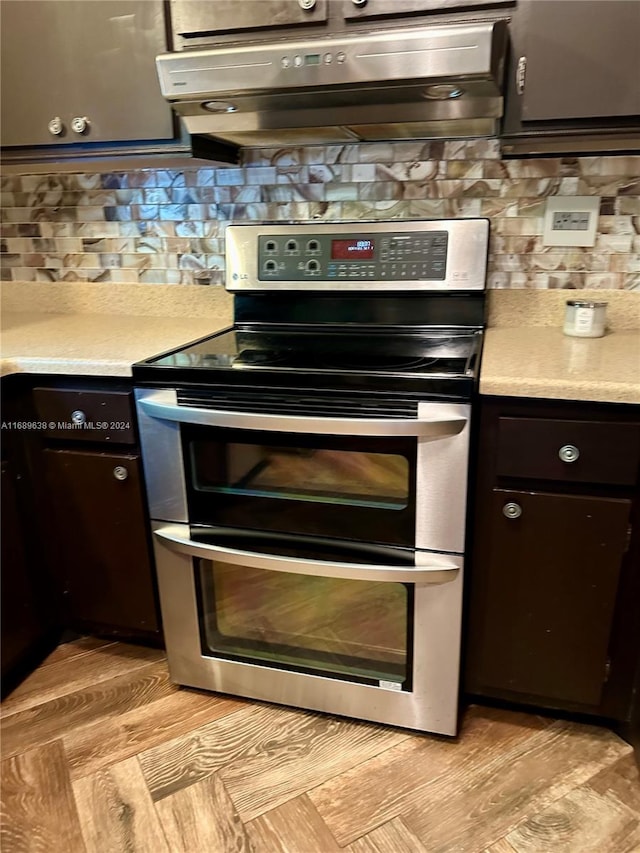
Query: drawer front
point(569, 451)
point(86, 415)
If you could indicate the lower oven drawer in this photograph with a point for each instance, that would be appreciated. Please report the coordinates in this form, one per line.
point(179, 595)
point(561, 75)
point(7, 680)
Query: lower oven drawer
point(370, 633)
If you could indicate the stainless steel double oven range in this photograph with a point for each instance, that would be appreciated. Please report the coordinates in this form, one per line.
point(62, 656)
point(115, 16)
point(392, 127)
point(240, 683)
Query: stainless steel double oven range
point(307, 470)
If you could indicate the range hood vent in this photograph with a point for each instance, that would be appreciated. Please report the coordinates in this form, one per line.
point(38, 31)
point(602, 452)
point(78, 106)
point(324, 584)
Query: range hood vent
point(417, 83)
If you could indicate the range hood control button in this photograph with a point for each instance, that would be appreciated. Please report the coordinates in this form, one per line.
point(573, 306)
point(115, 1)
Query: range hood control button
point(285, 62)
point(341, 56)
point(297, 61)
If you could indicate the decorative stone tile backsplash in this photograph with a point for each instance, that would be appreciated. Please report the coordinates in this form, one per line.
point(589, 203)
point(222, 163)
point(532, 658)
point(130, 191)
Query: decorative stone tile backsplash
point(167, 227)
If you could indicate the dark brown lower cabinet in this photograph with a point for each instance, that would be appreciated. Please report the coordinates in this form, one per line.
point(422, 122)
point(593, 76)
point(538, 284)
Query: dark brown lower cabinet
point(546, 605)
point(24, 624)
point(553, 592)
point(101, 550)
point(28, 618)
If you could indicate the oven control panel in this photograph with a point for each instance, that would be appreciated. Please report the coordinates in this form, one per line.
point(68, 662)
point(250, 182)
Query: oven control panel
point(339, 258)
point(445, 254)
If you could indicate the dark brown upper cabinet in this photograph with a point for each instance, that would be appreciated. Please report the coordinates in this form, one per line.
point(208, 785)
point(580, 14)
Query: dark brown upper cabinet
point(82, 72)
point(574, 76)
point(193, 18)
point(363, 9)
point(207, 23)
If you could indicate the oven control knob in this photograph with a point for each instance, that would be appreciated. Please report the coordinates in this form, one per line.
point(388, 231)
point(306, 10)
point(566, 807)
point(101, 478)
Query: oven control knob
point(307, 5)
point(78, 417)
point(568, 453)
point(512, 510)
point(120, 472)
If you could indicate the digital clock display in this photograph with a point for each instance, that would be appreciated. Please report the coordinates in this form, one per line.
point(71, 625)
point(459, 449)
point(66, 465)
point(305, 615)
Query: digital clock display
point(352, 250)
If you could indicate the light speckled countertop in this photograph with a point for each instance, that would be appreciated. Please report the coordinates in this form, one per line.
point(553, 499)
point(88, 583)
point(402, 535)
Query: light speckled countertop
point(91, 344)
point(101, 330)
point(526, 353)
point(542, 362)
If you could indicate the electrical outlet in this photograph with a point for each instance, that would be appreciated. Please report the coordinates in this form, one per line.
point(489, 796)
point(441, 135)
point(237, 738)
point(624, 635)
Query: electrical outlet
point(571, 221)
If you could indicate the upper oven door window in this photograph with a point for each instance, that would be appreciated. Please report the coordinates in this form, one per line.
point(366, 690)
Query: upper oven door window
point(348, 487)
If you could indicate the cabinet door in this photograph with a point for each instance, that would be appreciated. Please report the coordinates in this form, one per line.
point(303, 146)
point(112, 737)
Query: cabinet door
point(22, 624)
point(544, 588)
point(191, 18)
point(75, 58)
point(582, 59)
point(102, 555)
point(356, 9)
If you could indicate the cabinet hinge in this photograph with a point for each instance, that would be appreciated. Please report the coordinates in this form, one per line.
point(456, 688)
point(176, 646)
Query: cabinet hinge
point(607, 670)
point(627, 541)
point(521, 73)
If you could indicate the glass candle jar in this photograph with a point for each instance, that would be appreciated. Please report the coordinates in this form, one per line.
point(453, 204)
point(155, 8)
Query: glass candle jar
point(585, 319)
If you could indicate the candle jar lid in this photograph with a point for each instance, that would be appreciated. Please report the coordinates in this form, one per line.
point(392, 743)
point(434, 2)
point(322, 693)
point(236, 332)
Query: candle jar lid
point(579, 303)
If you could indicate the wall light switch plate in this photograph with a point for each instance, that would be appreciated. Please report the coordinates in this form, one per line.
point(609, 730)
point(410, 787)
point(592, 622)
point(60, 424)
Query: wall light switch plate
point(571, 221)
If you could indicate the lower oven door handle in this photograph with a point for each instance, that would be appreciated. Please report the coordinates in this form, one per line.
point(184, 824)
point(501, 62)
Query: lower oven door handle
point(441, 569)
point(158, 405)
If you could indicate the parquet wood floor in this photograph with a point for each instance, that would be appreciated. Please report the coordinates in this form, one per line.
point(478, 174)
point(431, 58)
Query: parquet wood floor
point(101, 754)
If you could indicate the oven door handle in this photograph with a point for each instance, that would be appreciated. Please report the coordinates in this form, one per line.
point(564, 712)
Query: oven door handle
point(159, 405)
point(442, 568)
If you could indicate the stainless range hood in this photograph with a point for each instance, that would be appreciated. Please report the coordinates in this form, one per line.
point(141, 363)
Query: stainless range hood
point(415, 83)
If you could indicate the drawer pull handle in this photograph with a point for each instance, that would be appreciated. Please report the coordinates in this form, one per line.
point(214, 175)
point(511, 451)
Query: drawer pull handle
point(120, 472)
point(512, 510)
point(568, 453)
point(78, 417)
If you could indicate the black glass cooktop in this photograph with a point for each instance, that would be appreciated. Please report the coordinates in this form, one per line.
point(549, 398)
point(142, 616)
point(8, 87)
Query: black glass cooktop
point(446, 353)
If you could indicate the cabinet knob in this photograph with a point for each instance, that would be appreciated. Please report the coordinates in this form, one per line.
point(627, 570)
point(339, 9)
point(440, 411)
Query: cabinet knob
point(79, 124)
point(568, 453)
point(120, 472)
point(307, 5)
point(512, 510)
point(55, 126)
point(78, 417)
